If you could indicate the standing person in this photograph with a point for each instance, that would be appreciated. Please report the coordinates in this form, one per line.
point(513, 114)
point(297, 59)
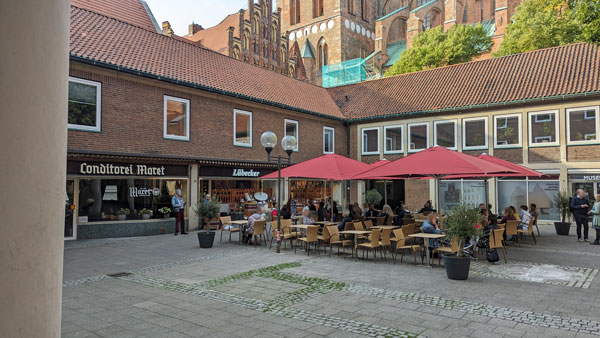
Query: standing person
point(312, 208)
point(322, 213)
point(596, 220)
point(581, 206)
point(293, 209)
point(207, 198)
point(178, 208)
point(274, 211)
point(334, 211)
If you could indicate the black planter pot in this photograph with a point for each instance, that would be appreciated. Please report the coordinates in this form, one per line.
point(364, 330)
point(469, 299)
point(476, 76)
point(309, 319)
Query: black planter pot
point(457, 267)
point(206, 239)
point(562, 228)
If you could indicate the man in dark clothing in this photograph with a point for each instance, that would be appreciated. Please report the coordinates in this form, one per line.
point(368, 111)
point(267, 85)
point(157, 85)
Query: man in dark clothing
point(580, 206)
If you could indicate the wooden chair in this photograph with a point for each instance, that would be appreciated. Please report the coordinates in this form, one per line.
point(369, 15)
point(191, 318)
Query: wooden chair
point(495, 241)
point(311, 238)
point(385, 243)
point(511, 230)
point(501, 225)
point(226, 220)
point(358, 225)
point(453, 248)
point(528, 232)
point(259, 231)
point(401, 245)
point(390, 220)
point(380, 221)
point(372, 245)
point(368, 224)
point(324, 237)
point(536, 226)
point(334, 239)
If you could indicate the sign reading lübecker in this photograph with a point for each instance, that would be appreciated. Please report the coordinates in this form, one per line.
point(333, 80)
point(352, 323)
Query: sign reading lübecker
point(245, 173)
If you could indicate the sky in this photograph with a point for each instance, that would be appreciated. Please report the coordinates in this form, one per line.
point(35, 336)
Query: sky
point(181, 13)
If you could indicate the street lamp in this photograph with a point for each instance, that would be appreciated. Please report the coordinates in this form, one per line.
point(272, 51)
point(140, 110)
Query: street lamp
point(269, 140)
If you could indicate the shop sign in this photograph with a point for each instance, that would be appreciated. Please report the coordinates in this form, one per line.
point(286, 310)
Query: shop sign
point(124, 169)
point(590, 177)
point(245, 173)
point(143, 192)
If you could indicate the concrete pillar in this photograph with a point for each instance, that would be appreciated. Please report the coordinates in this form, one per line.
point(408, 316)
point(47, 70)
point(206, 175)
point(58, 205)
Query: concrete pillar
point(33, 135)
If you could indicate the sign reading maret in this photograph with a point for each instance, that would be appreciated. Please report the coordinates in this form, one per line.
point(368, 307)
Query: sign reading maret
point(245, 173)
point(112, 169)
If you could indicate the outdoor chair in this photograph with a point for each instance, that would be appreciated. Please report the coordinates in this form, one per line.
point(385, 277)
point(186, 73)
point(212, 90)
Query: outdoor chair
point(536, 226)
point(311, 238)
point(324, 237)
point(259, 232)
point(385, 243)
point(511, 230)
point(380, 221)
point(495, 241)
point(401, 245)
point(453, 248)
point(334, 239)
point(226, 220)
point(390, 220)
point(358, 225)
point(528, 232)
point(372, 245)
point(368, 224)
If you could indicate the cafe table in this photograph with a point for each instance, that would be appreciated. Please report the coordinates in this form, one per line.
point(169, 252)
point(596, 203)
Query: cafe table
point(295, 219)
point(426, 237)
point(355, 234)
point(383, 227)
point(240, 223)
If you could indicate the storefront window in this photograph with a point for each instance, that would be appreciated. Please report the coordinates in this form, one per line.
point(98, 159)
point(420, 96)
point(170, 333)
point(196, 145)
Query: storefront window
point(418, 136)
point(543, 127)
point(524, 192)
point(445, 134)
point(455, 191)
point(242, 128)
point(475, 133)
point(582, 125)
point(176, 118)
point(507, 131)
point(588, 187)
point(393, 139)
point(84, 104)
point(511, 193)
point(101, 199)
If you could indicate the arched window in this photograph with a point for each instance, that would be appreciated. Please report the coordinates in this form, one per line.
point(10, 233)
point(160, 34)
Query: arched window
point(317, 8)
point(236, 52)
point(255, 25)
point(246, 42)
point(283, 53)
point(323, 53)
point(419, 3)
point(363, 9)
point(351, 6)
point(427, 21)
point(397, 30)
point(294, 12)
point(274, 32)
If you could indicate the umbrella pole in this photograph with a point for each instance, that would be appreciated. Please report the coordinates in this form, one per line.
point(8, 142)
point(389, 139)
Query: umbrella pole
point(437, 195)
point(385, 191)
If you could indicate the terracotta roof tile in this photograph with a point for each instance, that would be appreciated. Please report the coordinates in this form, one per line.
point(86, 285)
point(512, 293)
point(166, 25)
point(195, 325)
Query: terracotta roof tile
point(131, 11)
point(544, 73)
point(106, 40)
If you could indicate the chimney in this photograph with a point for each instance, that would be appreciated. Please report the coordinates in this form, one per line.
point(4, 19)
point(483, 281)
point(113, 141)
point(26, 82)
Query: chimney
point(166, 28)
point(193, 28)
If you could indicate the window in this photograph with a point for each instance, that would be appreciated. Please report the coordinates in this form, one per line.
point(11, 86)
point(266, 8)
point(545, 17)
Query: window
point(351, 6)
point(543, 127)
point(84, 105)
point(370, 141)
point(328, 140)
point(176, 118)
point(427, 21)
point(475, 133)
point(393, 139)
point(452, 192)
point(582, 125)
point(322, 52)
point(242, 128)
point(294, 12)
point(444, 134)
point(291, 129)
point(541, 192)
point(317, 8)
point(418, 136)
point(363, 10)
point(507, 132)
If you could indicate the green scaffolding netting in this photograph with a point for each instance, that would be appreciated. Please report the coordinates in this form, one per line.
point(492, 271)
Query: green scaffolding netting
point(343, 73)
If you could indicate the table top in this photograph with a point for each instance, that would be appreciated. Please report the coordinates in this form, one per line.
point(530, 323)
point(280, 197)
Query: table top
point(297, 217)
point(304, 226)
point(386, 227)
point(241, 221)
point(325, 222)
point(424, 235)
point(355, 232)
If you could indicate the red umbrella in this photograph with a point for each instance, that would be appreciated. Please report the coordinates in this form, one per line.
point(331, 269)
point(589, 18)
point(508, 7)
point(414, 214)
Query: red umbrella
point(328, 167)
point(520, 171)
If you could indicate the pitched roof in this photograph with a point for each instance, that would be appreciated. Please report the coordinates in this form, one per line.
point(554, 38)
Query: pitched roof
point(307, 50)
point(394, 50)
point(544, 73)
point(134, 12)
point(113, 43)
point(216, 37)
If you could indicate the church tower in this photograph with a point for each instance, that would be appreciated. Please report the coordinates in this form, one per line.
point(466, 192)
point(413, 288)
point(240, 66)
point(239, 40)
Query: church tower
point(329, 32)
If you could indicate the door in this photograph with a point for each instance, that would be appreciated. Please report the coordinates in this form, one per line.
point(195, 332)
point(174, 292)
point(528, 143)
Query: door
point(70, 228)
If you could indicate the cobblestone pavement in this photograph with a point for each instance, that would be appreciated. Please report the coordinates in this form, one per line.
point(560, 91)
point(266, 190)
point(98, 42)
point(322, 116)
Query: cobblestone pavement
point(165, 286)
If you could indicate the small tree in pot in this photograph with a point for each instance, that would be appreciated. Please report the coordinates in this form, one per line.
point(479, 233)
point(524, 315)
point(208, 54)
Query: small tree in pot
point(205, 212)
point(373, 197)
point(563, 204)
point(462, 222)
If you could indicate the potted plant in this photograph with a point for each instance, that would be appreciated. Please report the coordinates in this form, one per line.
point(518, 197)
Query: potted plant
point(207, 210)
point(165, 212)
point(373, 197)
point(146, 213)
point(462, 222)
point(122, 214)
point(563, 204)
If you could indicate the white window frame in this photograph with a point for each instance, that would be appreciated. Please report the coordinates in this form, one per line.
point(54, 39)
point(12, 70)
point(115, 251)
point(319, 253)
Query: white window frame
point(485, 136)
point(362, 141)
point(187, 119)
point(538, 120)
point(520, 133)
point(241, 112)
point(556, 130)
point(332, 140)
point(435, 124)
point(285, 122)
point(567, 113)
point(98, 126)
point(396, 126)
point(409, 127)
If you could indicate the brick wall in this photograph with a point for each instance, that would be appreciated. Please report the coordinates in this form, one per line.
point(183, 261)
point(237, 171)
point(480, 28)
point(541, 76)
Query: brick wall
point(513, 155)
point(544, 154)
point(416, 193)
point(476, 152)
point(132, 122)
point(369, 158)
point(583, 153)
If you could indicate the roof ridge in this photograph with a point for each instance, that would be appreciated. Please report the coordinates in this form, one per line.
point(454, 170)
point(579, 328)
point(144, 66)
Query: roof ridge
point(191, 43)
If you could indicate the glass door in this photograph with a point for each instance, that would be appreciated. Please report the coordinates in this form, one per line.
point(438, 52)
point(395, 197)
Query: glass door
point(70, 228)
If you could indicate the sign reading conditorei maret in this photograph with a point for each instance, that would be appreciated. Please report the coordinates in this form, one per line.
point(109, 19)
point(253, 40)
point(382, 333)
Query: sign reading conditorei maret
point(88, 168)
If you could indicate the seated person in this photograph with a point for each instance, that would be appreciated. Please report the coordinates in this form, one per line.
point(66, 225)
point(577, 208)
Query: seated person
point(387, 213)
point(371, 211)
point(400, 212)
point(345, 219)
point(355, 211)
point(515, 213)
point(508, 216)
point(525, 217)
point(427, 208)
point(249, 227)
point(430, 226)
point(533, 212)
point(312, 208)
point(491, 214)
point(306, 217)
point(285, 214)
